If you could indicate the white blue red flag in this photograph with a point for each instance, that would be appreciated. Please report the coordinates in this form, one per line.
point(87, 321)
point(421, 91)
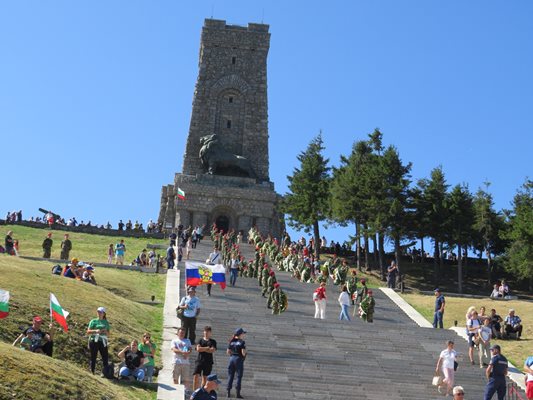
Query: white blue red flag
point(197, 274)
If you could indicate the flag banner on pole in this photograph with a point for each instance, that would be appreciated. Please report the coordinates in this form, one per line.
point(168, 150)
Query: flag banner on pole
point(57, 312)
point(197, 274)
point(4, 303)
point(181, 194)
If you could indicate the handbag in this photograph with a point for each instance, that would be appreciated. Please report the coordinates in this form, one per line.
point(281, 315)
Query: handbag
point(179, 312)
point(455, 365)
point(437, 380)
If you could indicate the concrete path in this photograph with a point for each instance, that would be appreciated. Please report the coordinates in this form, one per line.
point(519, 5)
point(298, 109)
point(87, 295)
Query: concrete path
point(166, 388)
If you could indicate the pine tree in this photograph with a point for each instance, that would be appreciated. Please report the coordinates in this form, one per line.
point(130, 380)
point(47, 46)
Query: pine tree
point(307, 203)
point(459, 204)
point(519, 253)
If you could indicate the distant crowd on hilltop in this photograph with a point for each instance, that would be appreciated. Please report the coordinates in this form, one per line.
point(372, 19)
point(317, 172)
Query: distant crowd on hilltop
point(51, 219)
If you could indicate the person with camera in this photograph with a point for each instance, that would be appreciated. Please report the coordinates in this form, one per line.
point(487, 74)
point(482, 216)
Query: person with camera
point(190, 305)
point(134, 359)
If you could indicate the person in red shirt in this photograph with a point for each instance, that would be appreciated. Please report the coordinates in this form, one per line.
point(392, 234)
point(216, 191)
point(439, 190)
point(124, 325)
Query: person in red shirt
point(319, 297)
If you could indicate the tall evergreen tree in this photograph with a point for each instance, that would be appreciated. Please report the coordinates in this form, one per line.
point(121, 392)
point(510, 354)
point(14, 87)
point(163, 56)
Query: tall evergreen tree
point(307, 203)
point(459, 205)
point(487, 225)
point(519, 253)
point(348, 194)
point(434, 191)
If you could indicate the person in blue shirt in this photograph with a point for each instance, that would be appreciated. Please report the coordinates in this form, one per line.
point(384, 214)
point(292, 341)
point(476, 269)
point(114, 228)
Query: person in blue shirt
point(439, 309)
point(237, 352)
point(208, 391)
point(496, 373)
point(513, 324)
point(191, 309)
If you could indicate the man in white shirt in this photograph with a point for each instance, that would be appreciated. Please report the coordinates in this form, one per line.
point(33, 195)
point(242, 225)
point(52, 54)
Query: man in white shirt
point(181, 348)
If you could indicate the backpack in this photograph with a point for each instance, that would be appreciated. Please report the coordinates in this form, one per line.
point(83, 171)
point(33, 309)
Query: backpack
point(57, 269)
point(109, 371)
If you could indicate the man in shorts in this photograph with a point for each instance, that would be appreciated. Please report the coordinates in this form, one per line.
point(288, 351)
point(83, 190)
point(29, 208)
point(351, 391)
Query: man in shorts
point(181, 347)
point(204, 363)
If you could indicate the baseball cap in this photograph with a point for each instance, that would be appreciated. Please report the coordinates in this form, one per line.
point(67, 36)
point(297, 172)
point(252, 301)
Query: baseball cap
point(37, 319)
point(90, 268)
point(191, 289)
point(101, 309)
point(239, 331)
point(496, 347)
point(437, 290)
point(213, 378)
point(369, 291)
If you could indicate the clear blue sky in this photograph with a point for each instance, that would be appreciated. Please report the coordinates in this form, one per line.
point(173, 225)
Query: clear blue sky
point(95, 97)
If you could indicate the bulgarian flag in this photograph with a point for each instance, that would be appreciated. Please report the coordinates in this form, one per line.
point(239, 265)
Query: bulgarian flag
point(57, 312)
point(181, 194)
point(4, 303)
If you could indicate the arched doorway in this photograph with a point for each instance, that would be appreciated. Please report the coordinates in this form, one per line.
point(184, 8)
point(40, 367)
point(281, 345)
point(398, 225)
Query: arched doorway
point(222, 223)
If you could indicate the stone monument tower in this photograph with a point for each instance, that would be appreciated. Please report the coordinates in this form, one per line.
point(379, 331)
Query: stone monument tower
point(225, 167)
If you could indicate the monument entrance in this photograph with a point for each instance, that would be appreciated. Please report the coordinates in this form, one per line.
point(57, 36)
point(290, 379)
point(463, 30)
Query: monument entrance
point(226, 166)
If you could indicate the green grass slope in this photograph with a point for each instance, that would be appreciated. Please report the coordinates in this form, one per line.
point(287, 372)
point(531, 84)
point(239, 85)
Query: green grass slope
point(28, 376)
point(86, 247)
point(30, 283)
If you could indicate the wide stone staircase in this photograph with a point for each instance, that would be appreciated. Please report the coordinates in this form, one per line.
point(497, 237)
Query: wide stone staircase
point(296, 356)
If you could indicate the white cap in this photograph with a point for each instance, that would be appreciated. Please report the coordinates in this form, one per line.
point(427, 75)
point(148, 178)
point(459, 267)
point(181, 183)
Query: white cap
point(101, 309)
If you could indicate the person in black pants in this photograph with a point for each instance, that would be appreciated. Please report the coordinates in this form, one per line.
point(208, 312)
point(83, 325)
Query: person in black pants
point(98, 330)
point(190, 305)
point(237, 352)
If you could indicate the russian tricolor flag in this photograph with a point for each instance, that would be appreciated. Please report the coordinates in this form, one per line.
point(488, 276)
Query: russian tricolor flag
point(197, 274)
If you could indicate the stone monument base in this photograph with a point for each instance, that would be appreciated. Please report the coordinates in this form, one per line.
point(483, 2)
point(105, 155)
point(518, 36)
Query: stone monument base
point(230, 202)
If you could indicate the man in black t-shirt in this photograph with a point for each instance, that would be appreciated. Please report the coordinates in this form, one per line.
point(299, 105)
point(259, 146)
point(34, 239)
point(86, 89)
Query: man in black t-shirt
point(41, 342)
point(134, 359)
point(204, 363)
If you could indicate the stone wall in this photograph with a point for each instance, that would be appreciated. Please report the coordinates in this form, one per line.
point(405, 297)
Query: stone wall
point(230, 98)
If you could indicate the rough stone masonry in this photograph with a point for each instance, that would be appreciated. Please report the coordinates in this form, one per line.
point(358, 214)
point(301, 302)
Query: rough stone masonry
point(230, 100)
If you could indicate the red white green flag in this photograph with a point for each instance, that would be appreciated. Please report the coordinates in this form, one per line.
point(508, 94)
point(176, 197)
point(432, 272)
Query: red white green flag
point(4, 303)
point(57, 312)
point(181, 194)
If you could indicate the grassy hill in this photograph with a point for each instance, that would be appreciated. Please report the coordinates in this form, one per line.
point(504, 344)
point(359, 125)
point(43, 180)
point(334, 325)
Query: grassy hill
point(29, 284)
point(86, 247)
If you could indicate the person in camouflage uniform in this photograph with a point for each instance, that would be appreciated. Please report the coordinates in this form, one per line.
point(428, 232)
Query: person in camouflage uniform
point(277, 300)
point(366, 308)
point(66, 246)
point(340, 274)
point(361, 293)
point(271, 281)
point(265, 283)
point(352, 285)
point(323, 277)
point(264, 271)
point(47, 245)
point(305, 273)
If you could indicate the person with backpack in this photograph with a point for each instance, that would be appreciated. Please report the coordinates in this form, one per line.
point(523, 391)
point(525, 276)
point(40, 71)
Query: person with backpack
point(98, 331)
point(171, 256)
point(473, 326)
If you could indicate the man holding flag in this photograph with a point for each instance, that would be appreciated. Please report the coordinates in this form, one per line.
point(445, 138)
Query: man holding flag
point(41, 342)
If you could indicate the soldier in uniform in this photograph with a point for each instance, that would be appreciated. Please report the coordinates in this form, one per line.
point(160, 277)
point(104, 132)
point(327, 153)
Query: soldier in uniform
point(47, 245)
point(66, 246)
point(323, 277)
point(278, 300)
point(264, 282)
point(261, 274)
point(271, 281)
point(352, 285)
point(366, 308)
point(362, 291)
point(340, 274)
point(305, 273)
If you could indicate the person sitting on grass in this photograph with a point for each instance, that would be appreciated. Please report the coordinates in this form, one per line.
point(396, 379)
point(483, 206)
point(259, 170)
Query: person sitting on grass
point(513, 324)
point(143, 258)
point(88, 275)
point(134, 360)
point(495, 292)
point(148, 348)
point(26, 340)
point(495, 324)
point(41, 342)
point(71, 269)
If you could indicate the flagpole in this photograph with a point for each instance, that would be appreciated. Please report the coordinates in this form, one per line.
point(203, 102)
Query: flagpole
point(50, 305)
